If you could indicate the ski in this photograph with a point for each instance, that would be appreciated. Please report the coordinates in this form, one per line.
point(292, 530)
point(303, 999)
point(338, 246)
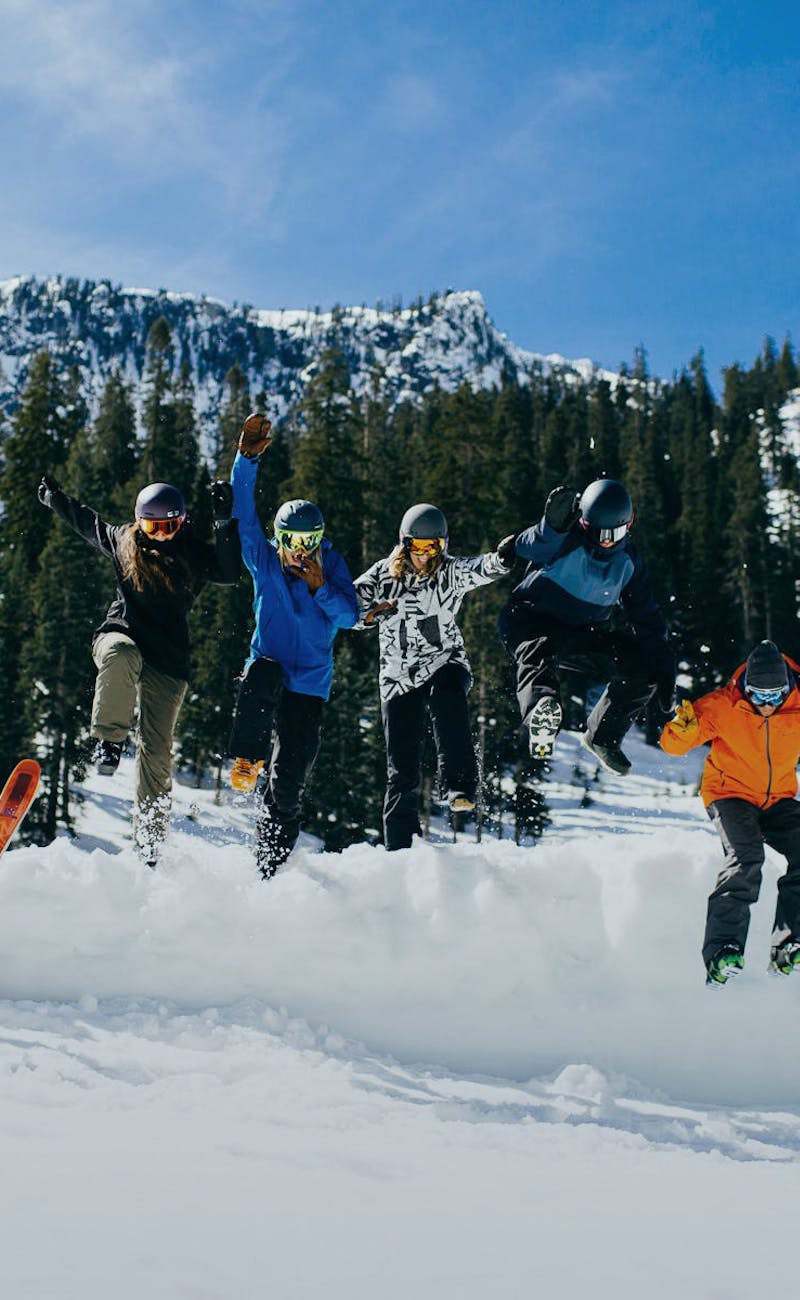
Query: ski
point(16, 798)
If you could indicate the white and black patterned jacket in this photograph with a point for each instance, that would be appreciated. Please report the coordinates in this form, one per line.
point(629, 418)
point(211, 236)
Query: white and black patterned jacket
point(422, 635)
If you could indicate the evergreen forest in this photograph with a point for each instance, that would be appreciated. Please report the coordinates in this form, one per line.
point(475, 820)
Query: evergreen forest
point(716, 492)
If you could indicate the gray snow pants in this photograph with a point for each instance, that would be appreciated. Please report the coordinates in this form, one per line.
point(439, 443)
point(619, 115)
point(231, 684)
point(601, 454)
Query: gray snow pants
point(744, 829)
point(124, 681)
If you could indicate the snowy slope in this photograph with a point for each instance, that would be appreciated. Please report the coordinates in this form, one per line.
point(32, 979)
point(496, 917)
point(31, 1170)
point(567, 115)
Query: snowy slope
point(461, 1070)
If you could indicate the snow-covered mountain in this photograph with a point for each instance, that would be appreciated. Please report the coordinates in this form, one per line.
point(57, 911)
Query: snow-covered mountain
point(447, 341)
point(458, 1071)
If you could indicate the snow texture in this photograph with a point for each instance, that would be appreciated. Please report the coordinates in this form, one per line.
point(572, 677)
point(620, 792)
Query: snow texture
point(459, 1070)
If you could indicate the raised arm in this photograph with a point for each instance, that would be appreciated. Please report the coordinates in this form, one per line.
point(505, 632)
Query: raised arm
point(251, 534)
point(82, 519)
point(225, 556)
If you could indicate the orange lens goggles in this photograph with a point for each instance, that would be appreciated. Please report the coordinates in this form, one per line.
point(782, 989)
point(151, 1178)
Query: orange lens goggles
point(425, 545)
point(166, 526)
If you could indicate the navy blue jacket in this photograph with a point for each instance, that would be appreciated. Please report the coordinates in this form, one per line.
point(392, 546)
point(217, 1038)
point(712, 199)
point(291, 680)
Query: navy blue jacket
point(572, 579)
point(293, 626)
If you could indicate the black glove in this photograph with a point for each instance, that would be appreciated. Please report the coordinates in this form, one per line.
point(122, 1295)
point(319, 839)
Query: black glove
point(507, 550)
point(665, 694)
point(46, 489)
point(221, 494)
point(562, 509)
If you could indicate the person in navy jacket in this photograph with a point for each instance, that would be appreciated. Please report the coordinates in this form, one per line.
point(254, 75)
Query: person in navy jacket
point(582, 567)
point(303, 594)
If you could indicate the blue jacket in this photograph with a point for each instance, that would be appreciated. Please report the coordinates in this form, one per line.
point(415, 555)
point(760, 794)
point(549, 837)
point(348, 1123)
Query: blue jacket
point(571, 579)
point(293, 626)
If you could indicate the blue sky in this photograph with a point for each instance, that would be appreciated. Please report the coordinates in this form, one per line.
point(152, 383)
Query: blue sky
point(607, 174)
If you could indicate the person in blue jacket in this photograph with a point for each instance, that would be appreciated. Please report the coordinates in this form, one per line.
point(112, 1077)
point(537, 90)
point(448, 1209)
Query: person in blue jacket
point(303, 594)
point(582, 567)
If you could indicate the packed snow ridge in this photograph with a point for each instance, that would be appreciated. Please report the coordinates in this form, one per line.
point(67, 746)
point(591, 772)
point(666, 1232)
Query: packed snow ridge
point(440, 1072)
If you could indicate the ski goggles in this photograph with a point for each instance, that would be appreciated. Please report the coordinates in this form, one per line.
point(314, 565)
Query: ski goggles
point(167, 526)
point(299, 541)
point(772, 697)
point(425, 545)
point(606, 534)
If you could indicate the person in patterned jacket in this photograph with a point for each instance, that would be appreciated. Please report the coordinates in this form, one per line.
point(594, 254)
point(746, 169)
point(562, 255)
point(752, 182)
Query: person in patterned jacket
point(414, 596)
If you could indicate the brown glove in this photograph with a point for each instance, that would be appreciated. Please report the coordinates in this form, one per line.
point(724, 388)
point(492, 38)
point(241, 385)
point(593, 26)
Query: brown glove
point(384, 610)
point(254, 438)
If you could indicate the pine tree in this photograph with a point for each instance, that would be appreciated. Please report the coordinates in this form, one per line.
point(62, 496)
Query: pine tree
point(327, 460)
point(37, 443)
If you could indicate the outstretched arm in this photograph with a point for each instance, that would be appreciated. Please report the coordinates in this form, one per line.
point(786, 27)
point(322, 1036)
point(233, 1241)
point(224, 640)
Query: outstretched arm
point(82, 519)
point(693, 725)
point(476, 571)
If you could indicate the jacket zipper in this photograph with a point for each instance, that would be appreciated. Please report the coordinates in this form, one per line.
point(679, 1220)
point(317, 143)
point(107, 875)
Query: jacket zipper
point(769, 763)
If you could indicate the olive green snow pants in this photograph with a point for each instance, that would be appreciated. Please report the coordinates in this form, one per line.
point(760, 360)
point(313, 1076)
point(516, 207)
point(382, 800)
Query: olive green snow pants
point(123, 681)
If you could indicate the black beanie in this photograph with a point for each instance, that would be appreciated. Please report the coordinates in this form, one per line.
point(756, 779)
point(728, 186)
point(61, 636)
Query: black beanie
point(766, 668)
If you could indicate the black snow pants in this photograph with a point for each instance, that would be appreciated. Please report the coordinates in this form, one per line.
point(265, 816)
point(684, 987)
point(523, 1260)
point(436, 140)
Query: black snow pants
point(444, 698)
point(541, 646)
point(744, 829)
point(263, 702)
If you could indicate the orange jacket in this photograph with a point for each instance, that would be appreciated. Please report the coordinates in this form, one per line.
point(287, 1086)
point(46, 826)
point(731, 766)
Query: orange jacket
point(751, 757)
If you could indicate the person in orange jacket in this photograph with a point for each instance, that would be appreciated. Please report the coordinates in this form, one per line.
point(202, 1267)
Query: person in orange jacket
point(749, 786)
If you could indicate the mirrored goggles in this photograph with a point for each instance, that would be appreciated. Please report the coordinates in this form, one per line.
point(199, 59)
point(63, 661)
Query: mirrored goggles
point(299, 541)
point(606, 534)
point(425, 545)
point(772, 697)
point(166, 526)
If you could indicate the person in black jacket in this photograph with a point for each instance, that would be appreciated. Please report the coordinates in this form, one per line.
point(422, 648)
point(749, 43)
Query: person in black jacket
point(581, 568)
point(141, 649)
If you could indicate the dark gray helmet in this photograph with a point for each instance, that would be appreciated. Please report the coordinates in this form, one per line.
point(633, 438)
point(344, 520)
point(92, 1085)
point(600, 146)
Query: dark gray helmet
point(606, 510)
point(160, 501)
point(299, 516)
point(423, 521)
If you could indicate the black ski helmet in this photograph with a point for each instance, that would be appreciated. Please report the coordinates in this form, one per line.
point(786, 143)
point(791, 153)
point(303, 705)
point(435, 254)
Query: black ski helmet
point(299, 516)
point(606, 510)
point(423, 521)
point(160, 501)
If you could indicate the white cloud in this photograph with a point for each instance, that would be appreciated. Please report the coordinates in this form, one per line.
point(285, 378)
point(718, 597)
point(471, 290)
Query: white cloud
point(120, 81)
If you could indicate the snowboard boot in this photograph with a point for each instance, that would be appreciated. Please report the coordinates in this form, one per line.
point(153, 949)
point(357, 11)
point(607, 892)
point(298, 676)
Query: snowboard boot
point(785, 957)
point(610, 756)
point(107, 756)
point(544, 721)
point(459, 802)
point(728, 961)
point(244, 774)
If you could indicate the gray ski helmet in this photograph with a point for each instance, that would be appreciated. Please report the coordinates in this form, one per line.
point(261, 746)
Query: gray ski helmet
point(160, 501)
point(606, 510)
point(299, 516)
point(423, 521)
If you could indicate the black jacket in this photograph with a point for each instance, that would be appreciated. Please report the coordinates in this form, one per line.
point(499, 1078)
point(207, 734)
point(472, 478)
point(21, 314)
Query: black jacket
point(156, 620)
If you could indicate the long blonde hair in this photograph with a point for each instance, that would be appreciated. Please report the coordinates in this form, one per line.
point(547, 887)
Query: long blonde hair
point(149, 568)
point(400, 565)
